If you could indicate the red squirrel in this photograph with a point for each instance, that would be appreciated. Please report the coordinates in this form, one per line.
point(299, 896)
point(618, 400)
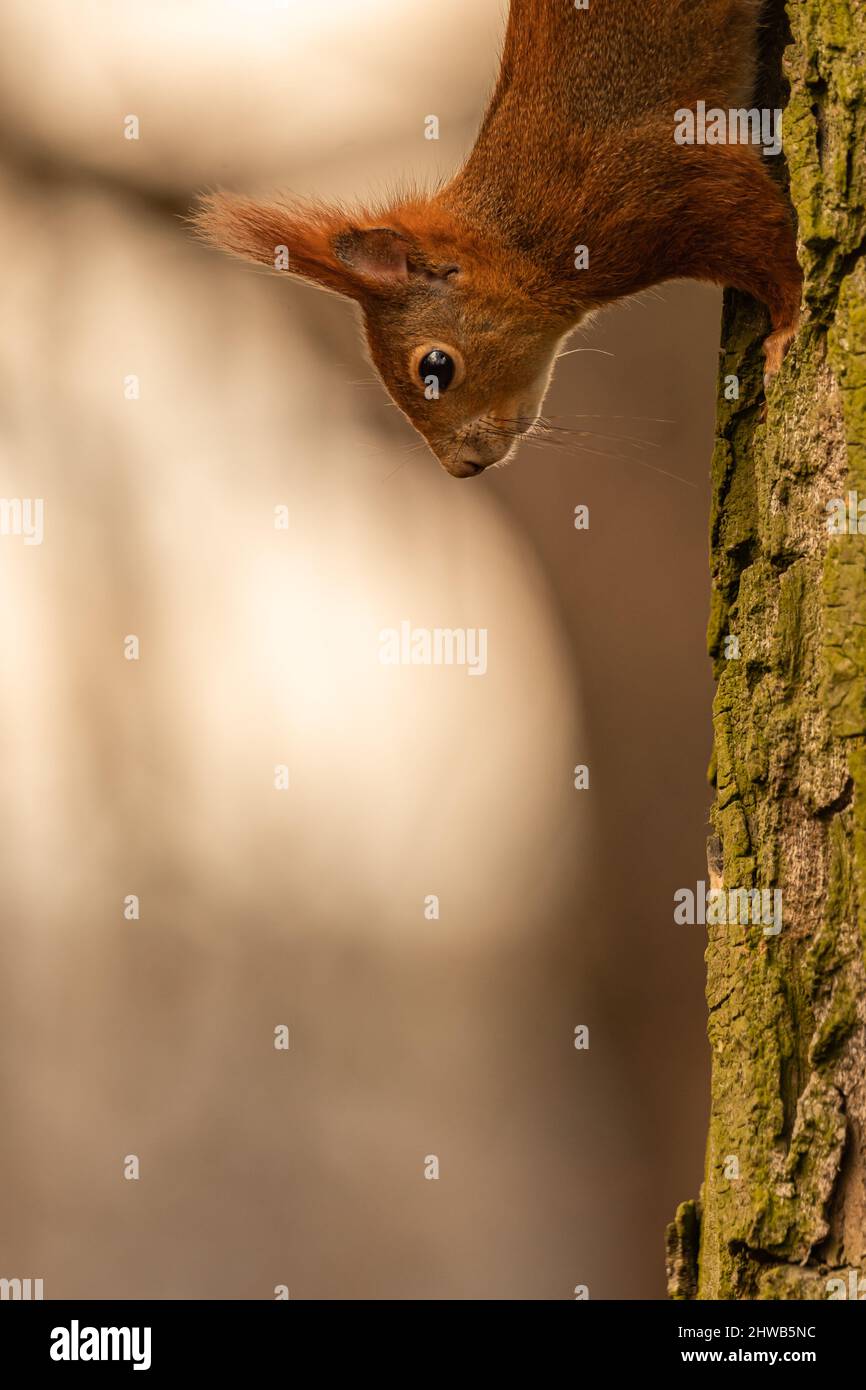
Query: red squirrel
point(468, 291)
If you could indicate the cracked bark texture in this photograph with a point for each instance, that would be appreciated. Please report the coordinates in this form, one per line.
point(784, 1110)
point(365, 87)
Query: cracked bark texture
point(787, 1013)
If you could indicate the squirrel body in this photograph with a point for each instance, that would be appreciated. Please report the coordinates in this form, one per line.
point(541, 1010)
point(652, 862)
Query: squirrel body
point(575, 194)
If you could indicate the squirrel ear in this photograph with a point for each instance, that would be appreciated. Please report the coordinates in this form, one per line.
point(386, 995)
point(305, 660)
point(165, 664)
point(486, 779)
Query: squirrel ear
point(315, 242)
point(376, 254)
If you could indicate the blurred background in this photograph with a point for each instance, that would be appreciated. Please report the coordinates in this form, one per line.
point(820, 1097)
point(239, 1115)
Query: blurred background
point(163, 401)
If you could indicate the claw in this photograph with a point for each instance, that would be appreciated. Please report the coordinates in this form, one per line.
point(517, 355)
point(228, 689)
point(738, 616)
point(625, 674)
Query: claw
point(775, 347)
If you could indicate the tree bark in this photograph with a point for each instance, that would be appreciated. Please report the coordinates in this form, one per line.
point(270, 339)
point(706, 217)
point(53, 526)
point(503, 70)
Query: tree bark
point(782, 1212)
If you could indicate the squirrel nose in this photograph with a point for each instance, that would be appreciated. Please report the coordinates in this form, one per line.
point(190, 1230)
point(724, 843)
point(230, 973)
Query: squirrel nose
point(466, 467)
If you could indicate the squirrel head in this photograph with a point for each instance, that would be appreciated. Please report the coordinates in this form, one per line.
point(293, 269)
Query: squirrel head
point(456, 327)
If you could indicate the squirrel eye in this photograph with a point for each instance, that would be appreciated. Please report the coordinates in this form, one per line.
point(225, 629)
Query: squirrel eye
point(438, 364)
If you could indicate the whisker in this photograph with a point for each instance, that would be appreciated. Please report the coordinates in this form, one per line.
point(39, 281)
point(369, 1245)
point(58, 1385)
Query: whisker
point(598, 434)
point(570, 351)
point(543, 425)
point(651, 419)
point(408, 450)
point(561, 444)
point(572, 443)
point(393, 471)
point(625, 458)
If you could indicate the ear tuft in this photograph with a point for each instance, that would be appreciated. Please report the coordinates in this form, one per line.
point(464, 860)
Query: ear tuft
point(316, 242)
point(241, 226)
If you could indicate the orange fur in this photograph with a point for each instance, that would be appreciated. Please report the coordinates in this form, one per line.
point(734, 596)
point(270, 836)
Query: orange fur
point(576, 148)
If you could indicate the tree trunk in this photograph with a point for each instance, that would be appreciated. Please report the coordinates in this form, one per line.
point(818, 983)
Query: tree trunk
point(783, 1206)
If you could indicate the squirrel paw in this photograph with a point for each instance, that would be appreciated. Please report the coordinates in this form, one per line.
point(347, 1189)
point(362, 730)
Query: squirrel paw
point(775, 347)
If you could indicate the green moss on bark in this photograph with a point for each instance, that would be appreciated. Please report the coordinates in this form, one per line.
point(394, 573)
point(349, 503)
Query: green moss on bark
point(784, 1198)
